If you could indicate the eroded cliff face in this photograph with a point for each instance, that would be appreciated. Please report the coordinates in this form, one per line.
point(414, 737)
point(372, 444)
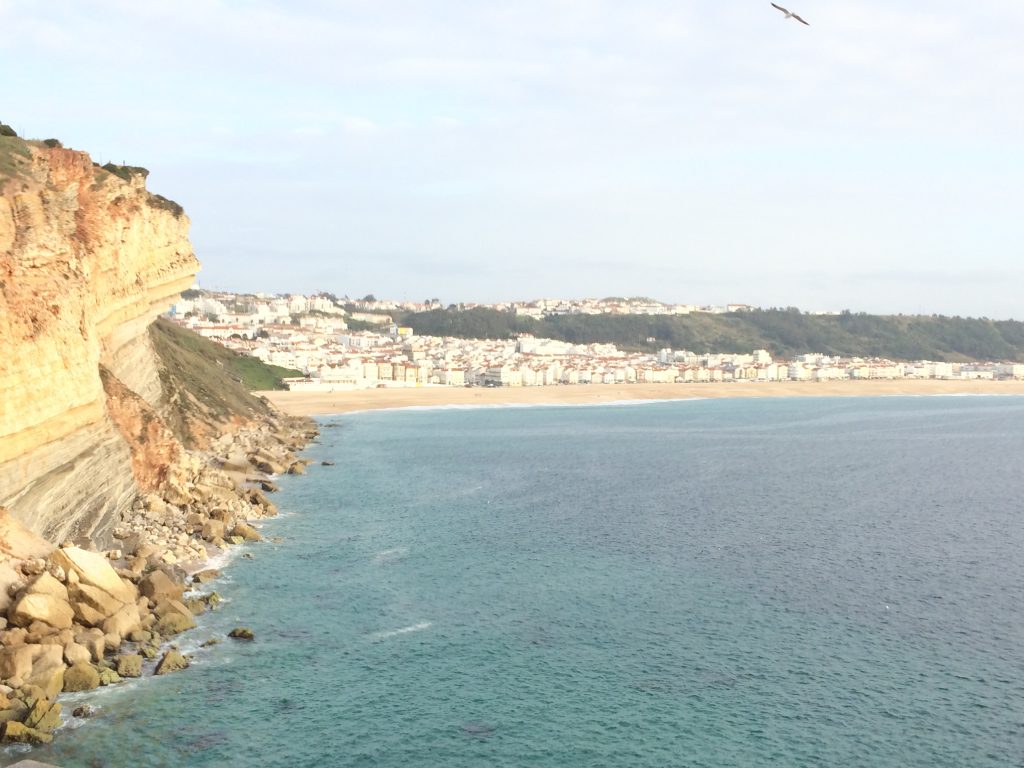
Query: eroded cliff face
point(88, 258)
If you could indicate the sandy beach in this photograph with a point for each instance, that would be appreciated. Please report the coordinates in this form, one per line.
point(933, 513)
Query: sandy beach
point(324, 403)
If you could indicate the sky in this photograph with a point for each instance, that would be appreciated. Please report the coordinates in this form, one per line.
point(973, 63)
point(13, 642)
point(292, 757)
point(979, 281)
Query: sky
point(470, 150)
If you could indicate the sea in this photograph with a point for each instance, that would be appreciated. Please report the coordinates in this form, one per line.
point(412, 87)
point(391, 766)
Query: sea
point(744, 582)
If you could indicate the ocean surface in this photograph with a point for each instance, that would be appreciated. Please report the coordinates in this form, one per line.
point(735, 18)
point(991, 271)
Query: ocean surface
point(791, 582)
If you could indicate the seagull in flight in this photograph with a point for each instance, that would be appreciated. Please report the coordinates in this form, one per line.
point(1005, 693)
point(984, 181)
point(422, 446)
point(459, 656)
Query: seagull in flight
point(790, 14)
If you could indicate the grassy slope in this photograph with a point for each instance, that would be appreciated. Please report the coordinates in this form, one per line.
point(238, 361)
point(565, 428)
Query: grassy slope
point(206, 384)
point(14, 157)
point(782, 332)
point(252, 373)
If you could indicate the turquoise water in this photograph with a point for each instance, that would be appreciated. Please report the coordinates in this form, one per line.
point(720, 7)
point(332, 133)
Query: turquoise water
point(703, 583)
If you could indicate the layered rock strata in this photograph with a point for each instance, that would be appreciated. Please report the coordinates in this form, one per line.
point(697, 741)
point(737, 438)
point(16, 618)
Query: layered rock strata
point(88, 258)
point(125, 459)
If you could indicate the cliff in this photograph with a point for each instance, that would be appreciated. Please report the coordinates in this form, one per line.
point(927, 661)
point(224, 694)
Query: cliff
point(88, 259)
point(130, 438)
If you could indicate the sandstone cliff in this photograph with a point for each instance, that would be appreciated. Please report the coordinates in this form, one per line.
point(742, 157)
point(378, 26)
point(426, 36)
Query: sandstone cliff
point(128, 436)
point(88, 259)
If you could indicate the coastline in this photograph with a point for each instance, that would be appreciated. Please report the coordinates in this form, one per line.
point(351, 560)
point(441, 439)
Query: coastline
point(349, 401)
point(108, 616)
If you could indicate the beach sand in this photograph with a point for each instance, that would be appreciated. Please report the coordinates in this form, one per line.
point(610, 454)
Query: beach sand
point(324, 403)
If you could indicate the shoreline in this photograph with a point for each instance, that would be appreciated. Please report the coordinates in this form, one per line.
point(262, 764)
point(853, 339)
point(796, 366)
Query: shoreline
point(351, 401)
point(83, 618)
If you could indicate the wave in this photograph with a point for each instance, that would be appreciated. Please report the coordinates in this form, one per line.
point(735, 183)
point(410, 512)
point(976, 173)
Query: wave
point(494, 406)
point(390, 555)
point(378, 636)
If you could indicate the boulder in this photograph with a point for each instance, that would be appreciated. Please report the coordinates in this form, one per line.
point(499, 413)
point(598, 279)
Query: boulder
point(16, 709)
point(205, 577)
point(12, 637)
point(20, 733)
point(74, 653)
point(226, 516)
point(174, 623)
point(171, 662)
point(93, 568)
point(268, 466)
point(213, 493)
point(46, 584)
point(246, 532)
point(99, 600)
point(129, 665)
point(159, 586)
point(41, 607)
point(109, 677)
point(140, 636)
point(214, 529)
point(44, 715)
point(87, 615)
point(10, 579)
point(16, 661)
point(48, 670)
point(269, 486)
point(54, 638)
point(81, 677)
point(297, 468)
point(41, 632)
point(124, 622)
point(242, 633)
point(197, 606)
point(92, 639)
point(149, 651)
point(257, 498)
point(236, 462)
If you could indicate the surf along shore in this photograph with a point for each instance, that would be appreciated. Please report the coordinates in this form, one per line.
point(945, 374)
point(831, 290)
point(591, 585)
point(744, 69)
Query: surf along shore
point(80, 618)
point(348, 401)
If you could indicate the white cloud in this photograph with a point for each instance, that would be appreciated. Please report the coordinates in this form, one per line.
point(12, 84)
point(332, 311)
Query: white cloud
point(666, 132)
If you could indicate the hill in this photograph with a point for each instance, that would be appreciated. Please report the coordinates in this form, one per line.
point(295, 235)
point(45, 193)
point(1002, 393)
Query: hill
point(783, 332)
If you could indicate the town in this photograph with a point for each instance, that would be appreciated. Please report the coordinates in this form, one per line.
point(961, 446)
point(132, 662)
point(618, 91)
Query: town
point(330, 347)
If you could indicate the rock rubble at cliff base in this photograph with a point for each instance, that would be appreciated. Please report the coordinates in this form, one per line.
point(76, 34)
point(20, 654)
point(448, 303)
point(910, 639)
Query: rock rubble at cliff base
point(82, 618)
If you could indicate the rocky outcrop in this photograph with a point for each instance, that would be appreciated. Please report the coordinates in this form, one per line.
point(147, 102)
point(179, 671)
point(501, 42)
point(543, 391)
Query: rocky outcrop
point(88, 258)
point(78, 619)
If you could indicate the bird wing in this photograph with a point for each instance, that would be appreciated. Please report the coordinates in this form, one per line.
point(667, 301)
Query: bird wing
point(800, 20)
point(780, 8)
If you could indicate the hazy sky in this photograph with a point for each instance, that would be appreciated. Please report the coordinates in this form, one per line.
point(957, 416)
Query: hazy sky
point(702, 152)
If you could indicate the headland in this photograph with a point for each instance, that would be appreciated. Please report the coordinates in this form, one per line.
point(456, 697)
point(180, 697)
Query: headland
point(129, 452)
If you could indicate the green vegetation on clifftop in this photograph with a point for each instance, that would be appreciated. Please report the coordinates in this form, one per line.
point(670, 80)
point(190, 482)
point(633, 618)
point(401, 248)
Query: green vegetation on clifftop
point(206, 385)
point(783, 332)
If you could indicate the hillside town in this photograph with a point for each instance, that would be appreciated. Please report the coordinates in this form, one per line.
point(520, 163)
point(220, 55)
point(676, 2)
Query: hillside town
point(311, 337)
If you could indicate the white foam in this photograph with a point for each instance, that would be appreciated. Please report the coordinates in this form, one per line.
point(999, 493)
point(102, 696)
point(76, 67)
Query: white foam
point(221, 560)
point(495, 406)
point(390, 555)
point(377, 637)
